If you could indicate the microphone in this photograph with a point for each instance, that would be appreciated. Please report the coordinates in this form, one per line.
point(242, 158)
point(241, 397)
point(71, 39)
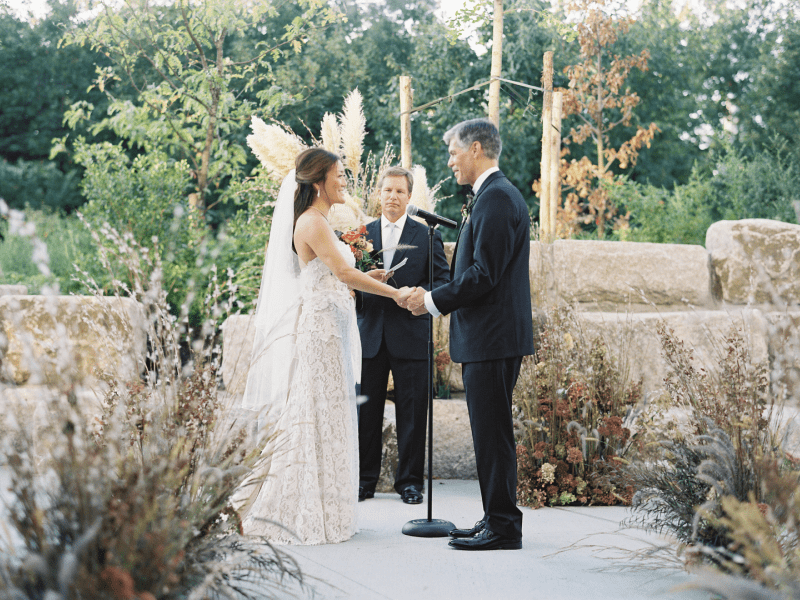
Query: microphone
point(429, 217)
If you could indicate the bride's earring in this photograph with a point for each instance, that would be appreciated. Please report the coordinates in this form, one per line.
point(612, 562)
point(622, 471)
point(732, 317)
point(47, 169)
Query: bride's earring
point(319, 191)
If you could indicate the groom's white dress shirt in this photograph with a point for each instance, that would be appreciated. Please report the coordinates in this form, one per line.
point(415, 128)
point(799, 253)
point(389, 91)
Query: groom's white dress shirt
point(390, 237)
point(475, 187)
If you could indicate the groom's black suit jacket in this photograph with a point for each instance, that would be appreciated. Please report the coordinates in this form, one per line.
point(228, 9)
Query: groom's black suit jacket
point(491, 329)
point(378, 317)
point(490, 284)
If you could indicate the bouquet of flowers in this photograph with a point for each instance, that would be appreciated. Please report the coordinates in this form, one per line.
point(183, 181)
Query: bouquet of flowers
point(361, 247)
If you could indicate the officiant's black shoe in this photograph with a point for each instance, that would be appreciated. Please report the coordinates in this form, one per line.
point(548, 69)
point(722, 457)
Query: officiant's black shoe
point(465, 533)
point(364, 494)
point(411, 495)
point(486, 540)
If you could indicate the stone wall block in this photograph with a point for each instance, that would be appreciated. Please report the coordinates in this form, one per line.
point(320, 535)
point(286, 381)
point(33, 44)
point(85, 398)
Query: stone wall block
point(755, 261)
point(53, 339)
point(609, 276)
point(633, 338)
point(783, 338)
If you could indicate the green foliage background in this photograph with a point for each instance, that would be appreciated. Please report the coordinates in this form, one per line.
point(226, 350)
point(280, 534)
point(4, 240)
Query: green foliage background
point(723, 91)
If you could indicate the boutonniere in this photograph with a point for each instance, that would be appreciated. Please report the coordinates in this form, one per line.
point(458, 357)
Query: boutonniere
point(466, 208)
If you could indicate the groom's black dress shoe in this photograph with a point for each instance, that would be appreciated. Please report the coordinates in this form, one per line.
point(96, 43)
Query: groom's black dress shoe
point(364, 493)
point(486, 540)
point(410, 495)
point(465, 533)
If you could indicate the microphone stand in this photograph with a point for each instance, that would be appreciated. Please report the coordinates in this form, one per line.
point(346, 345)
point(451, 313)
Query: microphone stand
point(429, 527)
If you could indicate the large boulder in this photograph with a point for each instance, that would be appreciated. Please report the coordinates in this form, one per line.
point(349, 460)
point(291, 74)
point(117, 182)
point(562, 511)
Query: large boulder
point(50, 340)
point(755, 261)
point(620, 276)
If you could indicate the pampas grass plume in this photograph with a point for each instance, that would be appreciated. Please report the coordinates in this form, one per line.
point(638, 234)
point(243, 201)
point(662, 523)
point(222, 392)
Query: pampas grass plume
point(421, 194)
point(353, 126)
point(331, 135)
point(275, 147)
point(348, 215)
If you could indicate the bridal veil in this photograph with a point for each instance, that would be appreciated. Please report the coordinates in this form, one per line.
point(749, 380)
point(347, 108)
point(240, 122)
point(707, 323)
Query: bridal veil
point(278, 309)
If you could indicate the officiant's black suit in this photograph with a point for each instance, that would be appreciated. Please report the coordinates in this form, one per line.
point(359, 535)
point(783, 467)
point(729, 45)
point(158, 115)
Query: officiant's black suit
point(392, 339)
point(491, 329)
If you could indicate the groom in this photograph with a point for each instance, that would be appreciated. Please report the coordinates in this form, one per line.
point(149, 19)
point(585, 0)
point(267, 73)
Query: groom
point(392, 339)
point(491, 327)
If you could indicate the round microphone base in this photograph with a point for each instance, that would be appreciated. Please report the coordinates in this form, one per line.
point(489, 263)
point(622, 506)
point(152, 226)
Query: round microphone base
point(426, 528)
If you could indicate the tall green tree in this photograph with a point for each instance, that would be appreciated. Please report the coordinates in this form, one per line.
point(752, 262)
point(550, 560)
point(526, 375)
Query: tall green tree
point(38, 82)
point(188, 77)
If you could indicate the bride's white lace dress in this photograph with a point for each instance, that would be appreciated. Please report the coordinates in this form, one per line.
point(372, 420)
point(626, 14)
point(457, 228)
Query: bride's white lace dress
point(310, 494)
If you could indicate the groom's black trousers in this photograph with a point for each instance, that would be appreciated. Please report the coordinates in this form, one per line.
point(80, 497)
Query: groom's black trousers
point(489, 386)
point(411, 413)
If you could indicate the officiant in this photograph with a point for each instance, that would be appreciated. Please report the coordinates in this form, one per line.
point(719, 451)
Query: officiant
point(393, 340)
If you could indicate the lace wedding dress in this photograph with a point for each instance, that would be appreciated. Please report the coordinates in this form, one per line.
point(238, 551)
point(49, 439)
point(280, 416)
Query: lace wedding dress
point(310, 493)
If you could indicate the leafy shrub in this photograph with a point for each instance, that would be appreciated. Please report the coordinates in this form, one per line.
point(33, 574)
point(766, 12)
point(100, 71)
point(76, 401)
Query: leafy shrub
point(241, 242)
point(148, 198)
point(741, 185)
point(68, 243)
point(40, 185)
point(757, 184)
point(678, 216)
point(571, 402)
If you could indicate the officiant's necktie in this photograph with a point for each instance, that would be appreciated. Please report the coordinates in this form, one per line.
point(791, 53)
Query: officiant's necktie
point(390, 241)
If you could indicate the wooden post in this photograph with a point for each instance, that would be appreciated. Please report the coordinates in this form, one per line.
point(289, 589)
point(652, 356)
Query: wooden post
point(546, 226)
point(497, 64)
point(406, 99)
point(555, 160)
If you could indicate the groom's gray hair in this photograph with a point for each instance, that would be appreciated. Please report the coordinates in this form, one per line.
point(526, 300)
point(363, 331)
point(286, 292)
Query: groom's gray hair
point(476, 130)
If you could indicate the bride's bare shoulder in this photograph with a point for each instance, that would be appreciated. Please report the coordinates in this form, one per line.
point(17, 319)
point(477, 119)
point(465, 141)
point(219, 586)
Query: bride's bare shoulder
point(312, 221)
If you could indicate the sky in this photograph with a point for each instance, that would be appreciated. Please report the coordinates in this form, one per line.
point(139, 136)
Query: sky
point(20, 7)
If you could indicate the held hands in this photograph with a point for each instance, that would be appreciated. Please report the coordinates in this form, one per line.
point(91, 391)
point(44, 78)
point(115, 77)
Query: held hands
point(416, 302)
point(402, 296)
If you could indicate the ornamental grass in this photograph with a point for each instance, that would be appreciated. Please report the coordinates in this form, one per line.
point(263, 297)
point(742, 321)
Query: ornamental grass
point(128, 496)
point(573, 407)
point(714, 446)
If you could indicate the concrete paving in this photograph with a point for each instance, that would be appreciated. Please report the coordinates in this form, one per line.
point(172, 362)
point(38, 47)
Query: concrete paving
point(567, 553)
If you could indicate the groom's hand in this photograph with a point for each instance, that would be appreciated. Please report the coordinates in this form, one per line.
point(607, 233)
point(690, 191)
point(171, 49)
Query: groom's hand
point(416, 302)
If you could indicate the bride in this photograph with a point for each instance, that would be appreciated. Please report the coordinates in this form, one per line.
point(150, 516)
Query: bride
point(306, 361)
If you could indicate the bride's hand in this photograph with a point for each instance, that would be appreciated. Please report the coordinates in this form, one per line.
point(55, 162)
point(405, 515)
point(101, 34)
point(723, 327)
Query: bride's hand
point(379, 274)
point(402, 295)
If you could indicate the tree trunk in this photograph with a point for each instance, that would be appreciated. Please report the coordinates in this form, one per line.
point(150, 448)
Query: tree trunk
point(546, 224)
point(406, 98)
point(497, 64)
point(555, 159)
point(601, 163)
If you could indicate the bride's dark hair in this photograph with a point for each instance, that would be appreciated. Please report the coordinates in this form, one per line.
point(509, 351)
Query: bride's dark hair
point(310, 167)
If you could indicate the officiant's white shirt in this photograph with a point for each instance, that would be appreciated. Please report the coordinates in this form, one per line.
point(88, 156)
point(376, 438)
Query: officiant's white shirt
point(475, 187)
point(386, 230)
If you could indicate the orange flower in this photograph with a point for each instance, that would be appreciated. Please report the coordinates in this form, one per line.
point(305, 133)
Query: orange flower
point(350, 237)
